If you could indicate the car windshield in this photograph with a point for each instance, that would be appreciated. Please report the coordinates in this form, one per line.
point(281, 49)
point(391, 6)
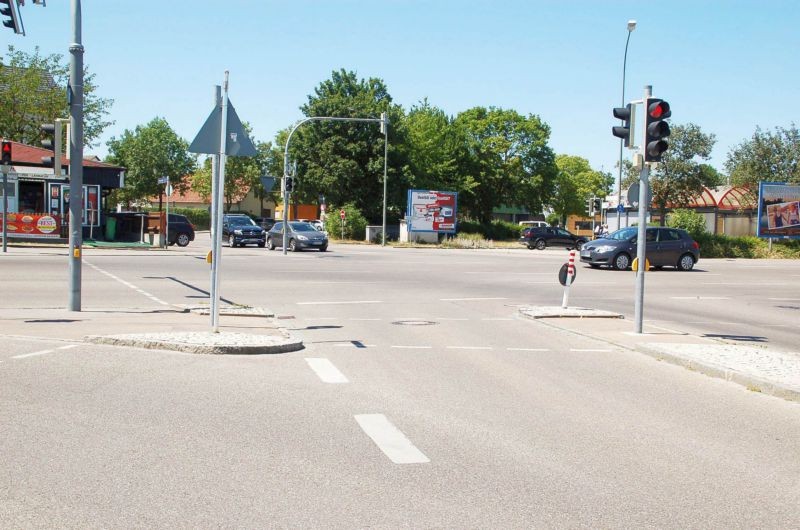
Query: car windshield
point(241, 221)
point(623, 234)
point(302, 227)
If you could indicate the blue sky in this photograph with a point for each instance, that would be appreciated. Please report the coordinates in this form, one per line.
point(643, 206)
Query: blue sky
point(726, 66)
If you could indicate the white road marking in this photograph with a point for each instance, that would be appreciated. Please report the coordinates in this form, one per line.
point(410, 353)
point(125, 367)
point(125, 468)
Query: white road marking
point(126, 284)
point(468, 299)
point(342, 302)
point(24, 355)
point(469, 347)
point(699, 298)
point(326, 371)
point(785, 299)
point(412, 347)
point(527, 349)
point(43, 352)
point(704, 322)
point(390, 439)
point(588, 349)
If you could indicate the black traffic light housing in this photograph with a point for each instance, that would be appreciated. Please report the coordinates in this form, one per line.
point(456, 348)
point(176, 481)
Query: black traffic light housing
point(7, 155)
point(598, 204)
point(10, 9)
point(624, 131)
point(656, 129)
point(52, 142)
point(289, 184)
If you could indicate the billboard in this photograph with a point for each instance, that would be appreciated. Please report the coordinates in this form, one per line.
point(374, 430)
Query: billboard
point(432, 211)
point(32, 225)
point(778, 210)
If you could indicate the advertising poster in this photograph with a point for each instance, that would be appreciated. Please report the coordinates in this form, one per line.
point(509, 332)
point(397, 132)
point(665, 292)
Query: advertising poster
point(778, 210)
point(432, 211)
point(34, 225)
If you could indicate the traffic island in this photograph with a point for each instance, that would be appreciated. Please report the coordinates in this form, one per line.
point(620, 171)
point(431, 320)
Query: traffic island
point(566, 312)
point(206, 342)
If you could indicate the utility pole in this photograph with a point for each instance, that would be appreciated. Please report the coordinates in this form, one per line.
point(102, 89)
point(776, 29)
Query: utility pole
point(75, 100)
point(641, 238)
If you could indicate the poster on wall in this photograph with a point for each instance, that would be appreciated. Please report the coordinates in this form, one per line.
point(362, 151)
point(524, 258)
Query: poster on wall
point(38, 225)
point(778, 210)
point(432, 211)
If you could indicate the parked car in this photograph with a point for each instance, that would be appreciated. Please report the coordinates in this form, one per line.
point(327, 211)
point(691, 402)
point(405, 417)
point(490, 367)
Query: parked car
point(532, 224)
point(671, 247)
point(239, 229)
point(179, 230)
point(300, 235)
point(541, 237)
point(265, 222)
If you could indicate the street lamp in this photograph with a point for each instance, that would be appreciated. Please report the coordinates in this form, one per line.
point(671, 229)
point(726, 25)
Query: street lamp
point(631, 27)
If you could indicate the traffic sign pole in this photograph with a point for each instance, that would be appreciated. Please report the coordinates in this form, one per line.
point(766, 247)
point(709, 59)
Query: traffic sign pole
point(641, 241)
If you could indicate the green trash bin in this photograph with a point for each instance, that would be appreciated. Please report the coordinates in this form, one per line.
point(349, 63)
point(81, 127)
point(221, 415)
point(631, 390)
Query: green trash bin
point(111, 228)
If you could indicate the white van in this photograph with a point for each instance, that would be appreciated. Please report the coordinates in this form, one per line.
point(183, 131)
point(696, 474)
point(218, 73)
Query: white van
point(532, 224)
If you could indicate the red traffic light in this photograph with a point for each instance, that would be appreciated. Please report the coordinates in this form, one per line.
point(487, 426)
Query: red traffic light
point(6, 155)
point(659, 109)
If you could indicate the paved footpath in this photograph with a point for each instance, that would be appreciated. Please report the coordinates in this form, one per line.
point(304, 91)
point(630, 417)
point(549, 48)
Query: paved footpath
point(758, 367)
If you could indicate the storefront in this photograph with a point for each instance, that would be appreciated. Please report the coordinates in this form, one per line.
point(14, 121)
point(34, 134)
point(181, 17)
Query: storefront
point(38, 199)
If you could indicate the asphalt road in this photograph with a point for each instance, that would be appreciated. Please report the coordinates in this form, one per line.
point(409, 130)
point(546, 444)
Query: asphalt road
point(421, 399)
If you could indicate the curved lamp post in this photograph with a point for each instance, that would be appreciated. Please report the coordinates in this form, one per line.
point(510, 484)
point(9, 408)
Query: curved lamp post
point(631, 27)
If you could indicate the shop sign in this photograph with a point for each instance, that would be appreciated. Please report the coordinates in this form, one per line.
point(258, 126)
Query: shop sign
point(32, 225)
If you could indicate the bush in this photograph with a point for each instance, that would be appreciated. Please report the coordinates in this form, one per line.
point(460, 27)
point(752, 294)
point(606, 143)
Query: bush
point(355, 225)
point(689, 220)
point(466, 241)
point(720, 246)
point(199, 217)
point(496, 230)
point(553, 219)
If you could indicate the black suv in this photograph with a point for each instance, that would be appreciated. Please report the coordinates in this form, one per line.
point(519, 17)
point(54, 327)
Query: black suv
point(265, 222)
point(541, 237)
point(239, 229)
point(180, 230)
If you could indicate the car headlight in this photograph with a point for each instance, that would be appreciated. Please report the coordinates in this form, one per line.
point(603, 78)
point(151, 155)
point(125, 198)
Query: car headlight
point(604, 248)
point(302, 238)
point(263, 232)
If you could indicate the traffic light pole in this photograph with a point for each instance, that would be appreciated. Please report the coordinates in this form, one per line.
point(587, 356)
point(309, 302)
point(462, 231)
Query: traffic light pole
point(5, 169)
point(75, 100)
point(641, 239)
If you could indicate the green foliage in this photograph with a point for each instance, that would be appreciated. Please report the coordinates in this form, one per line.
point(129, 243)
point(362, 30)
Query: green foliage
point(495, 230)
point(769, 156)
point(355, 224)
point(34, 92)
point(507, 161)
point(720, 246)
point(690, 220)
point(552, 219)
point(149, 152)
point(199, 217)
point(435, 147)
point(575, 184)
point(466, 241)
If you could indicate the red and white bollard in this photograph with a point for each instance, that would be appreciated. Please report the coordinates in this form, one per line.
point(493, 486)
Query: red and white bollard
point(570, 276)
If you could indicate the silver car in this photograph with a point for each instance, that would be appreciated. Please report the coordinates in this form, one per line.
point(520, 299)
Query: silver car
point(299, 235)
point(671, 247)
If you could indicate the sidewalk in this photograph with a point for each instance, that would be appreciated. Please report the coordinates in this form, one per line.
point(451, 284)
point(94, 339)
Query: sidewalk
point(758, 368)
point(241, 330)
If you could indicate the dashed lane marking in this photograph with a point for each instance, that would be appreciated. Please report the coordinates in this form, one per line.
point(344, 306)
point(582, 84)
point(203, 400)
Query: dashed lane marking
point(342, 302)
point(470, 299)
point(390, 439)
point(127, 284)
point(325, 370)
point(43, 352)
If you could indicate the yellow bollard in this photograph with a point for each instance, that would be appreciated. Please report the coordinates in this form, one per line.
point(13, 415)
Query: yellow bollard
point(208, 257)
point(635, 264)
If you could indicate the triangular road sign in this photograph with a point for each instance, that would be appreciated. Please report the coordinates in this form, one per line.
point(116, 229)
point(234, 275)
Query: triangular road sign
point(237, 144)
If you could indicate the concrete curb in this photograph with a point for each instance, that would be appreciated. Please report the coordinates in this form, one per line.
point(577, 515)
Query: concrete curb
point(536, 312)
point(752, 383)
point(223, 343)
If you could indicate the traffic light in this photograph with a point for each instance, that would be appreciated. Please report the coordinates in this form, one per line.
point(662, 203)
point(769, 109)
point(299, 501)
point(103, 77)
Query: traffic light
point(289, 184)
point(588, 206)
point(6, 153)
point(52, 142)
point(598, 204)
point(655, 129)
point(625, 131)
point(10, 9)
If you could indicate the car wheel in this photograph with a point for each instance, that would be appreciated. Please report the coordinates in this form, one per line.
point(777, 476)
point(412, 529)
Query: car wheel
point(261, 245)
point(323, 248)
point(621, 261)
point(594, 265)
point(231, 241)
point(541, 244)
point(270, 244)
point(578, 245)
point(293, 246)
point(182, 240)
point(686, 263)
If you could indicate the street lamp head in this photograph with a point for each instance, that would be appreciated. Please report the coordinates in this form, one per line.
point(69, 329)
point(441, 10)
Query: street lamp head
point(631, 25)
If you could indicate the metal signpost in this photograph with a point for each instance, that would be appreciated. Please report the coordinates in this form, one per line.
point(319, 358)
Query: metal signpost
point(5, 169)
point(75, 100)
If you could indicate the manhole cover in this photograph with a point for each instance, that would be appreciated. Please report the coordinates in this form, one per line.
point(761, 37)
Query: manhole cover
point(414, 323)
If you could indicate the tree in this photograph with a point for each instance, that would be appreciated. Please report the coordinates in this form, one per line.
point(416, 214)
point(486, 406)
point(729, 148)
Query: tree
point(242, 173)
point(149, 152)
point(507, 162)
point(769, 156)
point(435, 147)
point(344, 160)
point(681, 175)
point(575, 184)
point(34, 91)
